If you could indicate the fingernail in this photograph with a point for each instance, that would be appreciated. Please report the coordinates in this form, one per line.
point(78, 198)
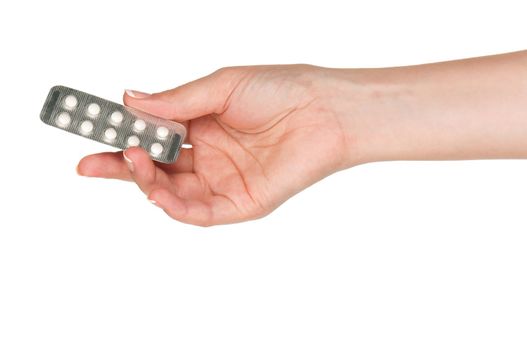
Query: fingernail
point(153, 202)
point(128, 162)
point(136, 94)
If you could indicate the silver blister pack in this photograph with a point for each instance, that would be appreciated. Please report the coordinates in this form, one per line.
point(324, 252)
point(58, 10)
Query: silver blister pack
point(112, 123)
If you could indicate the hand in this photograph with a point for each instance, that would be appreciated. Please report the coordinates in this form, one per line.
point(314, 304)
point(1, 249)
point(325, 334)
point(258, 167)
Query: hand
point(258, 134)
point(261, 134)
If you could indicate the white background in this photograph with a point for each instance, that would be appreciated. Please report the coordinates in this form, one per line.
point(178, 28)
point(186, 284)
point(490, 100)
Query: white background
point(401, 255)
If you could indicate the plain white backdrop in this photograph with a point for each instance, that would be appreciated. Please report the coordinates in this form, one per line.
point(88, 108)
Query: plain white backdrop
point(401, 255)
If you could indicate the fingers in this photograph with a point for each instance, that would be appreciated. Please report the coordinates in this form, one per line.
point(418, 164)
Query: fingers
point(184, 198)
point(187, 211)
point(143, 170)
point(183, 164)
point(108, 165)
point(213, 211)
point(208, 95)
point(112, 165)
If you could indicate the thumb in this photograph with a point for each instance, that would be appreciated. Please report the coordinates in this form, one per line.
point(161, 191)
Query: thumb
point(204, 96)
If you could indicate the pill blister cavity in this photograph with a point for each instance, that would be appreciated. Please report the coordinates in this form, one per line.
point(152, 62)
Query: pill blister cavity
point(70, 102)
point(162, 132)
point(133, 141)
point(93, 110)
point(139, 125)
point(63, 119)
point(86, 127)
point(156, 149)
point(110, 134)
point(116, 118)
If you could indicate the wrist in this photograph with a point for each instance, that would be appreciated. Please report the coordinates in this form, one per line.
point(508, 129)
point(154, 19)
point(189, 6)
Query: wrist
point(374, 109)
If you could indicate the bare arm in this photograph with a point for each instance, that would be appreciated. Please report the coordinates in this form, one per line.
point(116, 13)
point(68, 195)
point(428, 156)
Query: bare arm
point(467, 109)
point(261, 134)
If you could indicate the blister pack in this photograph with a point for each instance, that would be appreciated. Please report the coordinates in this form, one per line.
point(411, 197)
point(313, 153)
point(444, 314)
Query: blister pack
point(111, 123)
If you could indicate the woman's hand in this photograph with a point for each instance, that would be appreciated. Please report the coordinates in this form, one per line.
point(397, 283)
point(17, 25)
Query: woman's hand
point(261, 134)
point(258, 134)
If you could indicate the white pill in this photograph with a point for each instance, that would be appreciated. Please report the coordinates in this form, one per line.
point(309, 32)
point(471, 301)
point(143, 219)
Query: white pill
point(63, 119)
point(116, 118)
point(162, 132)
point(70, 102)
point(139, 125)
point(93, 110)
point(133, 141)
point(110, 134)
point(156, 149)
point(86, 127)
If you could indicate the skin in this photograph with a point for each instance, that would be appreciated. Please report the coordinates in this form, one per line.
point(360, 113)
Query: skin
point(261, 134)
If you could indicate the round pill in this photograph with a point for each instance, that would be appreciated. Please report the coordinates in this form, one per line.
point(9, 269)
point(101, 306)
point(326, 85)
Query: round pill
point(162, 132)
point(70, 102)
point(133, 141)
point(63, 119)
point(110, 134)
point(139, 125)
point(94, 109)
point(86, 127)
point(116, 118)
point(156, 149)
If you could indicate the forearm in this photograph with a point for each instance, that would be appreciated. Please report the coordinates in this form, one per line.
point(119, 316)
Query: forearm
point(467, 109)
